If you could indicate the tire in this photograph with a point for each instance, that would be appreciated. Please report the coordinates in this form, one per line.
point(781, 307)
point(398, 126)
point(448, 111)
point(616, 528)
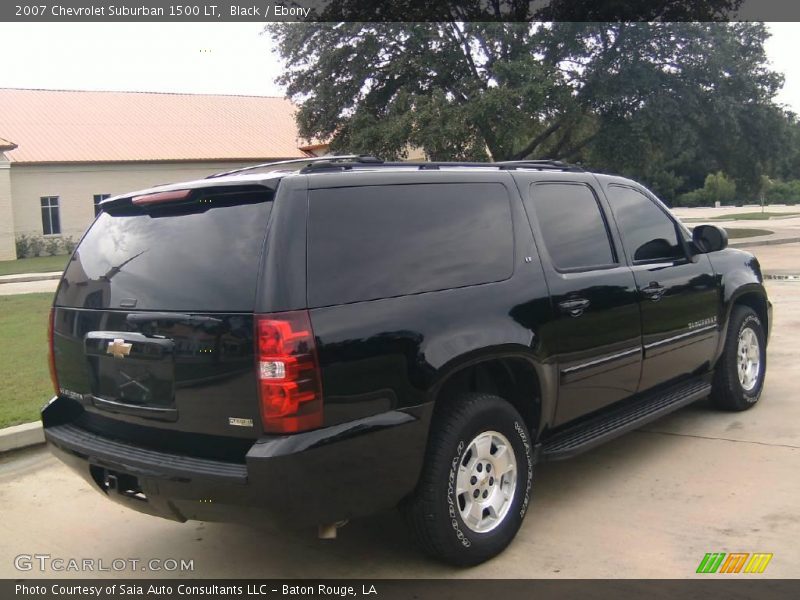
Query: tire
point(461, 432)
point(732, 390)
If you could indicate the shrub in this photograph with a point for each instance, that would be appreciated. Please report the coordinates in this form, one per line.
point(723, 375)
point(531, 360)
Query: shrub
point(718, 188)
point(36, 246)
point(694, 198)
point(33, 245)
point(783, 192)
point(52, 246)
point(23, 244)
point(69, 244)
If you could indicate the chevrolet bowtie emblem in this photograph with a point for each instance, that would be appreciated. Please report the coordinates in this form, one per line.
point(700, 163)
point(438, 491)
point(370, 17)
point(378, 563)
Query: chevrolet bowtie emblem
point(118, 348)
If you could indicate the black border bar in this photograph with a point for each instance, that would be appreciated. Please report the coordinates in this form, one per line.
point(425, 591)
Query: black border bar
point(396, 10)
point(713, 588)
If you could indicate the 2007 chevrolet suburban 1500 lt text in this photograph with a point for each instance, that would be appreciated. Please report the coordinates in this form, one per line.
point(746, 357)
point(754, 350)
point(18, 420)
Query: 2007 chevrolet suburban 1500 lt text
point(326, 340)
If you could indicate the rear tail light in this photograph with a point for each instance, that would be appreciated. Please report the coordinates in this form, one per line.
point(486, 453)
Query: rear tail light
point(51, 350)
point(290, 385)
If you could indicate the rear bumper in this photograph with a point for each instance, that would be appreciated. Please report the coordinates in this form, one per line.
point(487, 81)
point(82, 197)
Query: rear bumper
point(321, 476)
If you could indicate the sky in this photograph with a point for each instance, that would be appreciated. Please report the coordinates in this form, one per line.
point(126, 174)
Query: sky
point(211, 58)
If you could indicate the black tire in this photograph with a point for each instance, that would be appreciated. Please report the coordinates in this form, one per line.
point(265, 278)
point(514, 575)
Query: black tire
point(433, 509)
point(727, 391)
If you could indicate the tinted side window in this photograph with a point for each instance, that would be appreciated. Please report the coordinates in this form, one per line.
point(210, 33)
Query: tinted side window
point(647, 232)
point(572, 225)
point(382, 241)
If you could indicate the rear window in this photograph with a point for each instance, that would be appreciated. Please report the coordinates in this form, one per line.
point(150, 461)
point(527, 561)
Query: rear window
point(376, 242)
point(199, 255)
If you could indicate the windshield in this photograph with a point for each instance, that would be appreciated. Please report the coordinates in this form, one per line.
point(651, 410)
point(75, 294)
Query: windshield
point(199, 255)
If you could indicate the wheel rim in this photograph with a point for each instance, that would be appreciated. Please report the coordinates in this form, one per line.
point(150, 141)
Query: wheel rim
point(748, 359)
point(486, 481)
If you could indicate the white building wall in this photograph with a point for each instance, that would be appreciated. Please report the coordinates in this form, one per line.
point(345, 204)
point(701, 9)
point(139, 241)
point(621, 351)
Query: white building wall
point(7, 249)
point(75, 185)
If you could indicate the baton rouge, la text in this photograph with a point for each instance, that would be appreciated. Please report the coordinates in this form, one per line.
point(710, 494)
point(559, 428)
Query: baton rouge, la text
point(322, 590)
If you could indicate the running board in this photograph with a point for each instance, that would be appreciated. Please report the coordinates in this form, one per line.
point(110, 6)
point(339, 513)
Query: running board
point(605, 426)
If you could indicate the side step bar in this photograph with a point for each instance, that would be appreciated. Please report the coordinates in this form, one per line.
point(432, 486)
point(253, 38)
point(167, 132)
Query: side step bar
point(605, 426)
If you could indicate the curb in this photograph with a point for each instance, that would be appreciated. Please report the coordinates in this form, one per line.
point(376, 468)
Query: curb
point(25, 278)
point(21, 436)
point(756, 242)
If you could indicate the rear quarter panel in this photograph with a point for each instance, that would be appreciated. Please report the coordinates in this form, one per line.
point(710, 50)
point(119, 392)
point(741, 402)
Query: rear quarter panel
point(391, 353)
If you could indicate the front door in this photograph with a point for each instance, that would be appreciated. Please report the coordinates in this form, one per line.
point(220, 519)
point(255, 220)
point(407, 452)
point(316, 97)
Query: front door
point(596, 324)
point(678, 294)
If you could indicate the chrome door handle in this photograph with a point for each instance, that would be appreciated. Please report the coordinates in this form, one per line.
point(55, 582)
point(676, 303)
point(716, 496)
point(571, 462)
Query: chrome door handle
point(574, 307)
point(654, 291)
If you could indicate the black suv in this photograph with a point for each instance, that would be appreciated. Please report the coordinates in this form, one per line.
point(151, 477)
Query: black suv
point(325, 340)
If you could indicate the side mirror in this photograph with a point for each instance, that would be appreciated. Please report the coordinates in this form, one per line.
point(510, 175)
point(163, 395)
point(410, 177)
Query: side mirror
point(709, 238)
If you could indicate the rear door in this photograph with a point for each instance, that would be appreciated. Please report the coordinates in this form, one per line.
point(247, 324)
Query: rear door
point(593, 292)
point(679, 295)
point(153, 319)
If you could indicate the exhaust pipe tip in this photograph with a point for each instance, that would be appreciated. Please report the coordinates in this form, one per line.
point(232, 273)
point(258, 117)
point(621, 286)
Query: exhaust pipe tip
point(328, 531)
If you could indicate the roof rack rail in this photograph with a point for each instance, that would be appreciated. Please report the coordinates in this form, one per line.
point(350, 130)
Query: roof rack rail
point(299, 161)
point(348, 165)
point(540, 164)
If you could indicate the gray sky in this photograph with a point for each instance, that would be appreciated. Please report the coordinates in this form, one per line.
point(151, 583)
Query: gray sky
point(223, 58)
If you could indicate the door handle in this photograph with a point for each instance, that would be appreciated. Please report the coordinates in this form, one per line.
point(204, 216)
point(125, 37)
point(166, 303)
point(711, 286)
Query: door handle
point(654, 291)
point(574, 307)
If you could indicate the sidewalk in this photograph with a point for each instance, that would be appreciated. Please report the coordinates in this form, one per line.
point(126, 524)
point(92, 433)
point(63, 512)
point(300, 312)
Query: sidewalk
point(29, 283)
point(707, 212)
point(24, 277)
point(765, 240)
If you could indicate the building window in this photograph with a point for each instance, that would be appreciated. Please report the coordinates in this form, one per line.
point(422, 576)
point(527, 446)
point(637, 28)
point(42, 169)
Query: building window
point(98, 198)
point(51, 221)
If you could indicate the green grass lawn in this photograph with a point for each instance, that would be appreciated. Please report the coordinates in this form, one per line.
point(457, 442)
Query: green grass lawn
point(747, 216)
point(756, 216)
point(39, 264)
point(24, 373)
point(746, 233)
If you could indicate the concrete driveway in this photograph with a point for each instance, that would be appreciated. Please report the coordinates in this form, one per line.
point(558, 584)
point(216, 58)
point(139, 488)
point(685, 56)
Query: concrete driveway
point(783, 227)
point(649, 504)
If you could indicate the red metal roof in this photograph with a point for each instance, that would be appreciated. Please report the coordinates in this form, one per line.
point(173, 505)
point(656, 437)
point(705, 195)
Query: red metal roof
point(77, 126)
point(6, 145)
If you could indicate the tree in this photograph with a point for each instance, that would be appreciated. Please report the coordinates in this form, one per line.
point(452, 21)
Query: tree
point(668, 102)
point(719, 188)
point(787, 166)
